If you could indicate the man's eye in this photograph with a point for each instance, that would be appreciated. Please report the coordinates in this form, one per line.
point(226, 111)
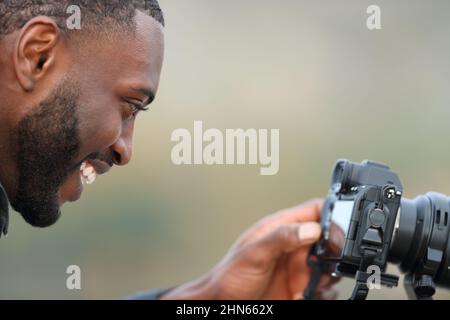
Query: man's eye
point(133, 110)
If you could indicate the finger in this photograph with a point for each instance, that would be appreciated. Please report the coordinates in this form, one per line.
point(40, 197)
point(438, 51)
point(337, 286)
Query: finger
point(327, 281)
point(287, 238)
point(309, 211)
point(336, 241)
point(278, 289)
point(299, 272)
point(328, 294)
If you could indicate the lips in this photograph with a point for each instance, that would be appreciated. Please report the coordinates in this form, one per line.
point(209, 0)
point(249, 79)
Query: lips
point(85, 173)
point(100, 166)
point(89, 170)
point(82, 174)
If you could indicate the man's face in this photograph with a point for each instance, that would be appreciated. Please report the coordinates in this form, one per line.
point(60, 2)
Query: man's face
point(85, 125)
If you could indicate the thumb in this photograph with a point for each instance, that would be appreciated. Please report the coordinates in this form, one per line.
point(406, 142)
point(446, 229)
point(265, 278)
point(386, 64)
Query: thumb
point(288, 238)
point(308, 233)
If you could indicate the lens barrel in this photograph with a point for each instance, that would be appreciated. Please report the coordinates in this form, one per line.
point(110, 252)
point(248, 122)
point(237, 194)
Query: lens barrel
point(420, 243)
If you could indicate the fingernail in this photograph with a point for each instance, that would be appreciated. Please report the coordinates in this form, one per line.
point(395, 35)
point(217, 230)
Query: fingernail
point(309, 231)
point(330, 294)
point(298, 296)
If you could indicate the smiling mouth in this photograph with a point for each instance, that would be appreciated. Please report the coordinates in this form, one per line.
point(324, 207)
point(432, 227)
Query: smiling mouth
point(88, 173)
point(90, 169)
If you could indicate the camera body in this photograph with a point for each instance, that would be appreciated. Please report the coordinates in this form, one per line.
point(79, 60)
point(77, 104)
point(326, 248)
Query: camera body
point(359, 216)
point(366, 223)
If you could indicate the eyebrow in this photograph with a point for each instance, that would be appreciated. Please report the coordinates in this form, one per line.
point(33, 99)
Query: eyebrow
point(147, 92)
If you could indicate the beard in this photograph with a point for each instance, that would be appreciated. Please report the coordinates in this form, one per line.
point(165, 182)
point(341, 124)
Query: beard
point(48, 143)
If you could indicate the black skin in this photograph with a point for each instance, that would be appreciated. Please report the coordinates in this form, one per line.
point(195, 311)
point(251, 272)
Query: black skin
point(51, 126)
point(61, 104)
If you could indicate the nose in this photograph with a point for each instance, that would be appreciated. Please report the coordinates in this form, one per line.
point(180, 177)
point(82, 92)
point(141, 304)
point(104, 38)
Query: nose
point(122, 149)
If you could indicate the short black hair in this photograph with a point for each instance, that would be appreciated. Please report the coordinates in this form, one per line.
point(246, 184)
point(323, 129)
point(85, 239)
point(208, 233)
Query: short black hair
point(14, 14)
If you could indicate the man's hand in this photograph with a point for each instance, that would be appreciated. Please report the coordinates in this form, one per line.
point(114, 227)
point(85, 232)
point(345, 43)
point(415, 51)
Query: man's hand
point(269, 261)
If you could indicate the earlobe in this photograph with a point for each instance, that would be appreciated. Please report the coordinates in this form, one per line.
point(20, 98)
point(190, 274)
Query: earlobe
point(34, 54)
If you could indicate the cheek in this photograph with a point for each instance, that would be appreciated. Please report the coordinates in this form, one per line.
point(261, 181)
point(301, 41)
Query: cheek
point(100, 120)
point(99, 132)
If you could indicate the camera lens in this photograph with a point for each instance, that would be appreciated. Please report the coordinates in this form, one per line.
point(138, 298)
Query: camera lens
point(420, 243)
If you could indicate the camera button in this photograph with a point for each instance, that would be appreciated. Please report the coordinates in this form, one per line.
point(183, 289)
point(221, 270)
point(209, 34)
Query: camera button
point(377, 218)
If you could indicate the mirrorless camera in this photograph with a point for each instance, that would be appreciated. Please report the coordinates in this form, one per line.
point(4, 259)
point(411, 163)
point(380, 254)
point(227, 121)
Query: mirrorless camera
point(367, 223)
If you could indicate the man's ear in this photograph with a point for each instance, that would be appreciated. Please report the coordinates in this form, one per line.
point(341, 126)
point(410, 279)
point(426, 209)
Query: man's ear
point(35, 51)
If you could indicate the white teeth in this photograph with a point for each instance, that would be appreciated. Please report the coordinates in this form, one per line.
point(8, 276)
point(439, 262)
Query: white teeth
point(91, 178)
point(87, 173)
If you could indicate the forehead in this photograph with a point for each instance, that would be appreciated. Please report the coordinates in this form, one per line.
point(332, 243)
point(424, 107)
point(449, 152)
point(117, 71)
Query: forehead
point(148, 49)
point(134, 59)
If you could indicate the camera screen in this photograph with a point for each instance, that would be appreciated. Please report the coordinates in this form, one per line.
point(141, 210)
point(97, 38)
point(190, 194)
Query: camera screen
point(340, 219)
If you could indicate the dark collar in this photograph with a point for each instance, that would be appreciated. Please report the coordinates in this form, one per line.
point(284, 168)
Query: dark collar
point(4, 212)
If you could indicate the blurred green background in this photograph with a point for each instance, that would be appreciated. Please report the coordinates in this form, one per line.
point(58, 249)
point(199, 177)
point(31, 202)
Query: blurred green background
point(311, 69)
